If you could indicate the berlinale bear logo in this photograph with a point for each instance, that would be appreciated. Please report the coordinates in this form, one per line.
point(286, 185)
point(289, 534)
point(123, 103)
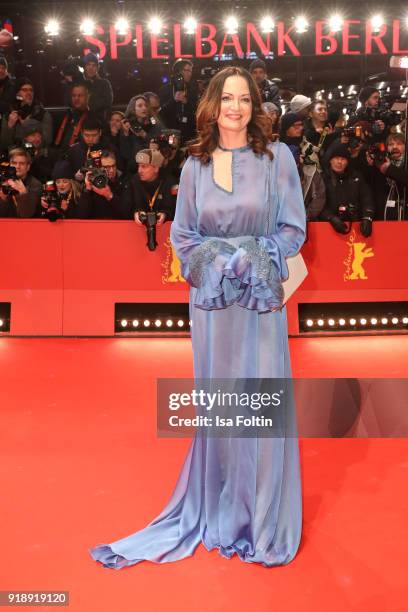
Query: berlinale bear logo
point(355, 258)
point(171, 265)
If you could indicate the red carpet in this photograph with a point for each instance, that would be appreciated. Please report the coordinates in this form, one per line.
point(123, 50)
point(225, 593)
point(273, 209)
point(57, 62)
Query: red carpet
point(81, 465)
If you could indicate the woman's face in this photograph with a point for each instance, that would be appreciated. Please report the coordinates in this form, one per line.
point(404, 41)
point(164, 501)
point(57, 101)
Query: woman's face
point(63, 185)
point(319, 113)
point(141, 110)
point(115, 122)
point(236, 105)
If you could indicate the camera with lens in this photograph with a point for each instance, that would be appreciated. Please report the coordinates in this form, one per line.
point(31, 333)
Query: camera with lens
point(97, 177)
point(149, 219)
point(53, 199)
point(378, 152)
point(348, 212)
point(381, 113)
point(7, 172)
point(356, 131)
point(167, 141)
point(178, 82)
point(23, 110)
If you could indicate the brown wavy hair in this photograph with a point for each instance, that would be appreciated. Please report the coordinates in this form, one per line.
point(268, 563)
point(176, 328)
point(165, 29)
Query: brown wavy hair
point(259, 127)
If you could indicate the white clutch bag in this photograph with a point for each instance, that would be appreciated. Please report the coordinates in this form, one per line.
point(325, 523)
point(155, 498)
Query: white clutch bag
point(297, 274)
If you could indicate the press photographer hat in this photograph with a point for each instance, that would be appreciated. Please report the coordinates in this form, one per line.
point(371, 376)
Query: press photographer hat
point(148, 156)
point(90, 57)
point(299, 103)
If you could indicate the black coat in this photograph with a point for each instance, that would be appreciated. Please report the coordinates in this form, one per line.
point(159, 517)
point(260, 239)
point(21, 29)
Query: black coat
point(179, 116)
point(91, 205)
point(349, 189)
point(140, 192)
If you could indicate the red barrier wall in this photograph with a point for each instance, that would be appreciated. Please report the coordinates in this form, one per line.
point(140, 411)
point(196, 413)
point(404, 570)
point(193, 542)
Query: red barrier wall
point(64, 278)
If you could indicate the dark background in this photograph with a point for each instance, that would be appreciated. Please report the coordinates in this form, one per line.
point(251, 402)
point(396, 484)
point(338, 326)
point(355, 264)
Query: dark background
point(41, 58)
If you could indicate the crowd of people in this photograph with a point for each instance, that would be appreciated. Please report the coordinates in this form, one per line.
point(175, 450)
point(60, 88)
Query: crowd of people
point(99, 163)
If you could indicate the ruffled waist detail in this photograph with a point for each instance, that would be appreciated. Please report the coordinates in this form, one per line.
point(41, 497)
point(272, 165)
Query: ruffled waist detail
point(245, 274)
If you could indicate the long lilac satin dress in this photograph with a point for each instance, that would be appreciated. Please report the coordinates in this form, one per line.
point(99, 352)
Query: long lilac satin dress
point(238, 495)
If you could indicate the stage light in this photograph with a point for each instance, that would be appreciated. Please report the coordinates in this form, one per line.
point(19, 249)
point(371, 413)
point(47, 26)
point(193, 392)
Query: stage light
point(1, 322)
point(155, 25)
point(309, 323)
point(342, 322)
point(353, 321)
point(190, 25)
point(267, 24)
point(180, 323)
point(394, 320)
point(169, 323)
point(135, 323)
point(122, 26)
point(158, 322)
point(373, 321)
point(146, 323)
point(87, 27)
point(336, 23)
point(377, 21)
point(384, 321)
point(124, 323)
point(331, 322)
point(301, 24)
point(363, 321)
point(52, 27)
point(231, 24)
point(405, 320)
point(320, 322)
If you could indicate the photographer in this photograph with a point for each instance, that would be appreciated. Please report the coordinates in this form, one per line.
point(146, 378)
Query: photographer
point(43, 158)
point(150, 190)
point(268, 89)
point(389, 178)
point(376, 117)
point(137, 130)
point(70, 127)
point(348, 197)
point(23, 108)
point(100, 90)
point(168, 143)
point(65, 194)
point(104, 196)
point(179, 100)
point(20, 195)
point(90, 140)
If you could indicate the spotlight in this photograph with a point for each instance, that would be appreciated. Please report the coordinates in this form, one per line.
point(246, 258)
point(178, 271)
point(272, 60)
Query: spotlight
point(363, 321)
point(155, 25)
point(122, 26)
point(331, 322)
point(231, 25)
point(301, 24)
point(267, 24)
point(394, 320)
point(377, 21)
point(124, 323)
point(342, 322)
point(384, 320)
point(146, 323)
point(336, 23)
point(180, 323)
point(52, 27)
point(1, 322)
point(158, 322)
point(309, 323)
point(405, 320)
point(169, 323)
point(353, 321)
point(373, 321)
point(190, 25)
point(320, 322)
point(87, 27)
point(135, 323)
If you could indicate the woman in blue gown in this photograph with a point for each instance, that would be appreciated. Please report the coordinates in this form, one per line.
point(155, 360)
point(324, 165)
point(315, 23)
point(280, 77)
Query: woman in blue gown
point(239, 215)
